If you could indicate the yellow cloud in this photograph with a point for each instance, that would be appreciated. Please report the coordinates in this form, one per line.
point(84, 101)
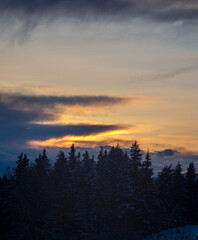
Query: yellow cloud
point(81, 141)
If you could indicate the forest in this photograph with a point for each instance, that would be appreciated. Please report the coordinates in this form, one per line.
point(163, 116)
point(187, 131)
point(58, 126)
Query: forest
point(114, 197)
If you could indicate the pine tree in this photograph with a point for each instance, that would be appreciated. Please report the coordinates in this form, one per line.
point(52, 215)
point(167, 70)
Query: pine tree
point(88, 194)
point(191, 175)
point(147, 173)
point(61, 163)
point(41, 185)
point(102, 190)
point(135, 195)
point(135, 167)
point(23, 193)
point(112, 192)
point(61, 179)
point(73, 217)
point(135, 157)
point(179, 195)
point(42, 164)
point(21, 171)
point(191, 192)
point(116, 183)
point(165, 182)
point(9, 211)
point(149, 204)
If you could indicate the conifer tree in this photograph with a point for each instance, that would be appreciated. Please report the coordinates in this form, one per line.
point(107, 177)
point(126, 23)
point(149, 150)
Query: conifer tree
point(73, 217)
point(60, 164)
point(89, 191)
point(147, 173)
point(135, 167)
point(21, 171)
point(61, 178)
point(135, 194)
point(165, 182)
point(135, 156)
point(191, 175)
point(179, 195)
point(102, 190)
point(41, 201)
point(149, 204)
point(42, 164)
point(117, 182)
point(9, 210)
point(191, 192)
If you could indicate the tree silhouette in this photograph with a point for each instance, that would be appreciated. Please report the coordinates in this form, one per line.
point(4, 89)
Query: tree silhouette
point(115, 197)
point(191, 192)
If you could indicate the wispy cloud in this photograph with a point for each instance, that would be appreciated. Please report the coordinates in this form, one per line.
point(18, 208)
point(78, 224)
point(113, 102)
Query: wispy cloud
point(168, 75)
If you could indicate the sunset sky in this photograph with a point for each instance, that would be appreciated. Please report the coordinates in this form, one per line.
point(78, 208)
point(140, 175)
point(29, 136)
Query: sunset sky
point(97, 73)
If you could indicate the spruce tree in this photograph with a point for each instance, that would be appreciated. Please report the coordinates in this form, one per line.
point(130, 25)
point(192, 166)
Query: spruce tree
point(42, 164)
point(191, 192)
point(21, 171)
point(73, 217)
point(116, 182)
point(89, 192)
point(102, 190)
point(41, 185)
point(61, 179)
point(9, 209)
point(149, 204)
point(135, 195)
point(179, 195)
point(165, 182)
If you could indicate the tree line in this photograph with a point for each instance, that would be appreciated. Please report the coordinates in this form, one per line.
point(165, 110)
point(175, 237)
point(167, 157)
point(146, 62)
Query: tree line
point(115, 197)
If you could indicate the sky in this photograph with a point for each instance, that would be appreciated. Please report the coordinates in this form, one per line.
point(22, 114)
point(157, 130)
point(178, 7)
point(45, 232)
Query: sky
point(95, 73)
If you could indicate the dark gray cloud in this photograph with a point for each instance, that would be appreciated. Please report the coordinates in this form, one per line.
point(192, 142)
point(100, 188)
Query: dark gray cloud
point(62, 5)
point(18, 112)
point(40, 102)
point(166, 153)
point(12, 117)
point(27, 15)
point(170, 10)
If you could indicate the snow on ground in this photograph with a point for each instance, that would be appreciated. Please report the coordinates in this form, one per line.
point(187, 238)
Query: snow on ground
point(186, 233)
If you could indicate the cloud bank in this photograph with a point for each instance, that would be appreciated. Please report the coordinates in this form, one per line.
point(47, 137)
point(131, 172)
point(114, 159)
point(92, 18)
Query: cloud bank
point(171, 10)
point(18, 112)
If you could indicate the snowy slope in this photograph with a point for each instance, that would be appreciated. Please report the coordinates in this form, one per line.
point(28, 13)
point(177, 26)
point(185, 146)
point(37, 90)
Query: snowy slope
point(186, 233)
